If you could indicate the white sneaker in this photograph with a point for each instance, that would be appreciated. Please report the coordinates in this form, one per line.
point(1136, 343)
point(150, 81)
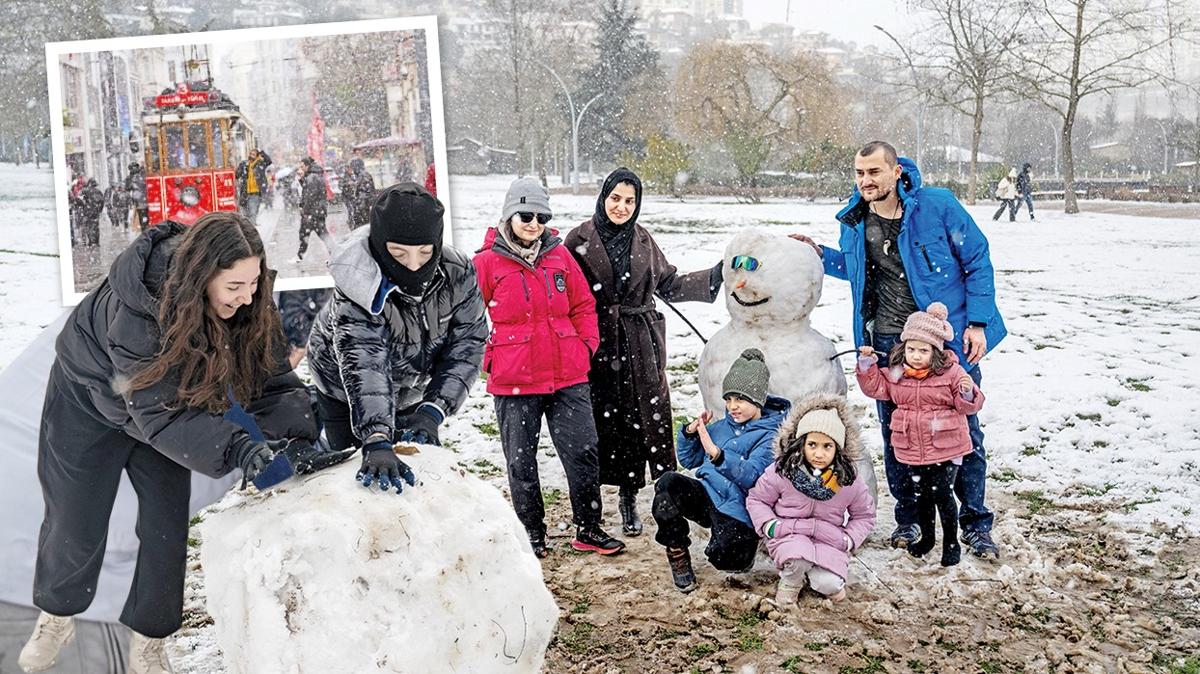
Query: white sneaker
point(146, 656)
point(51, 633)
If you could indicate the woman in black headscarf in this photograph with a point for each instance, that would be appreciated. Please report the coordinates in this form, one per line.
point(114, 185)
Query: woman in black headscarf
point(630, 399)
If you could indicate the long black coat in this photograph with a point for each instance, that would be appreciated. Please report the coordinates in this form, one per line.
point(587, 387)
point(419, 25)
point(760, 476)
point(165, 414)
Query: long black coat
point(631, 400)
point(114, 330)
point(384, 354)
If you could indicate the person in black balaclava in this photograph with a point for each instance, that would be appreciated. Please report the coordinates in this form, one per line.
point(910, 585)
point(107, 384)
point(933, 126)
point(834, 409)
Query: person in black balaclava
point(407, 215)
point(399, 344)
point(630, 400)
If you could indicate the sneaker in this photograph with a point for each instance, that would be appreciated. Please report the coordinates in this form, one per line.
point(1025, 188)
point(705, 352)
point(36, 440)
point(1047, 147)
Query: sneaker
point(905, 535)
point(49, 636)
point(681, 569)
point(980, 543)
point(147, 656)
point(593, 539)
point(787, 594)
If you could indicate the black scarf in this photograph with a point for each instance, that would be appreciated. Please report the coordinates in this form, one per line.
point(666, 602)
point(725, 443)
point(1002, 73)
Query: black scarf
point(618, 239)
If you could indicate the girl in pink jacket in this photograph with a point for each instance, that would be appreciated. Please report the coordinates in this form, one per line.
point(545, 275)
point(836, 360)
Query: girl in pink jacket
point(809, 506)
point(933, 396)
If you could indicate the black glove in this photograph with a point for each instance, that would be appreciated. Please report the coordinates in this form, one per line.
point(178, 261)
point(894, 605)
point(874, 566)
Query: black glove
point(380, 464)
point(307, 458)
point(252, 457)
point(421, 426)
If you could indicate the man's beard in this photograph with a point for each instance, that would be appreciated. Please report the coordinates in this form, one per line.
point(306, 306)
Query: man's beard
point(881, 194)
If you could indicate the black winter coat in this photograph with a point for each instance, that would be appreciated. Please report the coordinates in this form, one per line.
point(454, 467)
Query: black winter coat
point(312, 192)
point(114, 329)
point(93, 202)
point(1024, 184)
point(383, 353)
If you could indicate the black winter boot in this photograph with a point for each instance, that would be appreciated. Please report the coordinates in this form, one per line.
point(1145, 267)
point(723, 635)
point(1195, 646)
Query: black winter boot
point(925, 518)
point(537, 541)
point(631, 524)
point(681, 569)
point(592, 538)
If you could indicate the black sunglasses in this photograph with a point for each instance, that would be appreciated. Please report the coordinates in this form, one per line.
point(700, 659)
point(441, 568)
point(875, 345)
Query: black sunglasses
point(527, 217)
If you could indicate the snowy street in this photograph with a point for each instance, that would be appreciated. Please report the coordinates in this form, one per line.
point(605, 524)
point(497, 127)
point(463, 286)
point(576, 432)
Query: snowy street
point(1092, 427)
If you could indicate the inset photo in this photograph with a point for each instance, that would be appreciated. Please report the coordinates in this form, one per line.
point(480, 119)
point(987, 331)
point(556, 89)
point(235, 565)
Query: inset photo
point(294, 127)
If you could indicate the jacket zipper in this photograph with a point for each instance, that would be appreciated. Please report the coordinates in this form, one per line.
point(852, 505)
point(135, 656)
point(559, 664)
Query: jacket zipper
point(525, 285)
point(927, 260)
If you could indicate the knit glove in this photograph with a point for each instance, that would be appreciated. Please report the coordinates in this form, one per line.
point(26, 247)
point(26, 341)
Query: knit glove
point(307, 458)
point(421, 426)
point(252, 457)
point(380, 464)
point(865, 362)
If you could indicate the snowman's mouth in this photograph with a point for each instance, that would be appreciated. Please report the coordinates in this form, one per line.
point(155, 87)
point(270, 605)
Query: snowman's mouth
point(744, 303)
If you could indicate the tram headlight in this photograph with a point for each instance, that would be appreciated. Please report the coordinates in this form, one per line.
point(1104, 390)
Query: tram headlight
point(190, 196)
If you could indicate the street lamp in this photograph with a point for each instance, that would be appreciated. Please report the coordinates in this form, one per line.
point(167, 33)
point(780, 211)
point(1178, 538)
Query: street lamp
point(917, 86)
point(575, 118)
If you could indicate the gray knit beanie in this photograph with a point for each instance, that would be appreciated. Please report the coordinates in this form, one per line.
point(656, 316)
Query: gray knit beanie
point(526, 195)
point(748, 378)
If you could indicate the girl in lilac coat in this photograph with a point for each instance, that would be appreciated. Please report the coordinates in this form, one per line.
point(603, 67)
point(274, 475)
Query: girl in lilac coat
point(933, 396)
point(810, 507)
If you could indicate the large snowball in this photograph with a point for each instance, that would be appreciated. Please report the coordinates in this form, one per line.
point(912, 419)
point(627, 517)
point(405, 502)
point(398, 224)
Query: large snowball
point(322, 575)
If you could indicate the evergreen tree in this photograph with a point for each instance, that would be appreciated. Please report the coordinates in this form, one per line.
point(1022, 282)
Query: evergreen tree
point(625, 61)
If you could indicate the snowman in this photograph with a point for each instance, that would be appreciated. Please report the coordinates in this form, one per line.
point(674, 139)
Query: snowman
point(772, 284)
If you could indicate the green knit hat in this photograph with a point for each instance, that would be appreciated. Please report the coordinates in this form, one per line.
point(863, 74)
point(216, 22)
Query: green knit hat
point(748, 378)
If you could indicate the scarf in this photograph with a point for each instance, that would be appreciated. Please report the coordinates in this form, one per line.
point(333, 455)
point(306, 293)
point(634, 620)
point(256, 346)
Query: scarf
point(618, 239)
point(821, 488)
point(527, 252)
point(917, 374)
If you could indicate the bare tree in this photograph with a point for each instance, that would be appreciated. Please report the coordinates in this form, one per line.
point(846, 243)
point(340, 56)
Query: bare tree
point(1080, 48)
point(968, 59)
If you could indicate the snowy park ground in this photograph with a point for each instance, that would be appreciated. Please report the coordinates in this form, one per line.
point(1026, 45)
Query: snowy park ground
point(1093, 436)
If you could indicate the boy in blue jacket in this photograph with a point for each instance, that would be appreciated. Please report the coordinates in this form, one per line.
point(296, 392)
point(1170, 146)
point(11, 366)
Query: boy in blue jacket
point(728, 456)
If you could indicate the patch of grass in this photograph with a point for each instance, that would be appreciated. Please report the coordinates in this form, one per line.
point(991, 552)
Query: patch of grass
point(1112, 402)
point(1172, 664)
point(989, 667)
point(551, 496)
point(451, 444)
point(578, 639)
point(871, 665)
point(794, 664)
point(750, 642)
point(916, 666)
point(193, 542)
point(1138, 385)
point(582, 605)
point(488, 428)
point(1099, 491)
point(1095, 416)
point(1039, 347)
point(723, 612)
point(950, 646)
point(196, 519)
point(1035, 501)
point(1030, 450)
point(1133, 505)
point(815, 646)
point(1100, 443)
point(1005, 475)
point(482, 467)
point(749, 619)
point(702, 650)
point(687, 366)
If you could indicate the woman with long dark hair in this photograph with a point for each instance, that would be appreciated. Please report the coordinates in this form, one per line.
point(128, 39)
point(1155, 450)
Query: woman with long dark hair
point(150, 372)
point(631, 401)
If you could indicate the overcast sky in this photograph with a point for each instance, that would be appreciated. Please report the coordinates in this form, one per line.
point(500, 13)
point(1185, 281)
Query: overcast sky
point(850, 20)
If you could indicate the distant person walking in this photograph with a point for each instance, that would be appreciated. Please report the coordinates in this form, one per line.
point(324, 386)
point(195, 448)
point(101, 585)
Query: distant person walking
point(252, 183)
point(1006, 192)
point(1024, 190)
point(312, 207)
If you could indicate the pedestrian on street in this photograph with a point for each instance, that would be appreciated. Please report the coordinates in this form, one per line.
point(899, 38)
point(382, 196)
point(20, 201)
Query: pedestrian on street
point(135, 188)
point(358, 191)
point(1025, 189)
point(117, 203)
point(251, 175)
point(312, 207)
point(538, 353)
point(1006, 192)
point(91, 204)
point(902, 243)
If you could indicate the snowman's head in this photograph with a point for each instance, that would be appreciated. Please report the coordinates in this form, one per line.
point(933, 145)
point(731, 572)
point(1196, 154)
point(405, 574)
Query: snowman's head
point(770, 277)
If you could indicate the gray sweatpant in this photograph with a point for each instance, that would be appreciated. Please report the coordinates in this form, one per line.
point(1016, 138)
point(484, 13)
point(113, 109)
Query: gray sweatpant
point(98, 648)
point(821, 580)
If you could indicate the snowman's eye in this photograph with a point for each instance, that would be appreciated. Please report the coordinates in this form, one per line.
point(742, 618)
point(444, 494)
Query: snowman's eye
point(745, 262)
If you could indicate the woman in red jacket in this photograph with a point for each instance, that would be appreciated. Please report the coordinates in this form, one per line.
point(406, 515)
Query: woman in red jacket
point(543, 335)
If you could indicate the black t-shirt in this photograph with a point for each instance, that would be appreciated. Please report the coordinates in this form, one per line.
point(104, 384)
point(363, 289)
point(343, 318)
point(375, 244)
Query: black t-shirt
point(890, 300)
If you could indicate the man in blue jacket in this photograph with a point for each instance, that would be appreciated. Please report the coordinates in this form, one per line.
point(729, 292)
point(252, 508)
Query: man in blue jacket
point(902, 247)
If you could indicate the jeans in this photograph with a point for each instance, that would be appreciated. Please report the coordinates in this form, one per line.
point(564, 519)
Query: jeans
point(1027, 199)
point(250, 210)
point(969, 485)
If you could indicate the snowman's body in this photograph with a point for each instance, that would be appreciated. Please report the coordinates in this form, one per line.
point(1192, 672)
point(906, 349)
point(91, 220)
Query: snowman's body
point(769, 310)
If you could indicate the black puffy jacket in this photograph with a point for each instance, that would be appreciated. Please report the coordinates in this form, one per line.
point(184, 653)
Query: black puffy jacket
point(114, 329)
point(383, 352)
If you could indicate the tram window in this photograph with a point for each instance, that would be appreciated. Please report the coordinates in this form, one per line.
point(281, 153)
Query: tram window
point(152, 157)
point(197, 145)
point(218, 157)
point(174, 145)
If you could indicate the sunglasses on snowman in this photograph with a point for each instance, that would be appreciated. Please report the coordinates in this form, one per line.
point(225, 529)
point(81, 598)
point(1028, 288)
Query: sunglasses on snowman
point(528, 217)
point(745, 262)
